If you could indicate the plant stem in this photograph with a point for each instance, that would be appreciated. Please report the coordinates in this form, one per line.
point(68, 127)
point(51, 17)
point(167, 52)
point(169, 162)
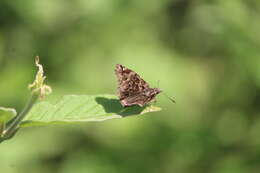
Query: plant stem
point(12, 127)
point(2, 127)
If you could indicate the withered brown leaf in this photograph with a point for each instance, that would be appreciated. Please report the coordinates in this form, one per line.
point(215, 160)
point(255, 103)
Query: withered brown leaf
point(132, 89)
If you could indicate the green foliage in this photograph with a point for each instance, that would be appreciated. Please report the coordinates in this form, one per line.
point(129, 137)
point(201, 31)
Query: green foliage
point(6, 114)
point(69, 109)
point(81, 108)
point(205, 54)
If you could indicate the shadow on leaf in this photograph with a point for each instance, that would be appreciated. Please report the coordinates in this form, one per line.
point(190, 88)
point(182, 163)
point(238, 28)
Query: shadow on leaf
point(114, 106)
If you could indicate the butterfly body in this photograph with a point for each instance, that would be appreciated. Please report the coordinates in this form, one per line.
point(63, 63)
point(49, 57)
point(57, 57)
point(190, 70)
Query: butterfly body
point(132, 89)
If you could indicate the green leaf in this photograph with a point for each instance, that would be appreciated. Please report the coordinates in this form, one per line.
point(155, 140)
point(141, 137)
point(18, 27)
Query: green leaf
point(81, 108)
point(6, 114)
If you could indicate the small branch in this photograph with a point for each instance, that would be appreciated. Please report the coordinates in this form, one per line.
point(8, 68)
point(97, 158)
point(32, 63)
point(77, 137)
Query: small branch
point(2, 127)
point(12, 127)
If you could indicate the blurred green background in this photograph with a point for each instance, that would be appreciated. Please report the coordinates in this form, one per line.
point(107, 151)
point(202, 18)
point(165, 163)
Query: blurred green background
point(206, 54)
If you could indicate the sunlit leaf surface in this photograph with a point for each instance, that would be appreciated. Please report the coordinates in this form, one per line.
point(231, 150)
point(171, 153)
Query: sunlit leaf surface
point(81, 108)
point(6, 114)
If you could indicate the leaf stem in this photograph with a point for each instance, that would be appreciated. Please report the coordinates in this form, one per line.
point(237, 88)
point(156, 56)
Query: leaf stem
point(2, 127)
point(12, 127)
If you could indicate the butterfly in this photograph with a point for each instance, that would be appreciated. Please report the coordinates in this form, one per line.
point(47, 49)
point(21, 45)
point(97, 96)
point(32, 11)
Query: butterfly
point(132, 89)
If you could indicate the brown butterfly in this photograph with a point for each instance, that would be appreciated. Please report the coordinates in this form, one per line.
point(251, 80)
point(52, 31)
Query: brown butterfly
point(132, 89)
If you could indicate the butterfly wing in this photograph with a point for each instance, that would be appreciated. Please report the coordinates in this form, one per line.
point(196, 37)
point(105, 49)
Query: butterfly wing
point(142, 98)
point(138, 99)
point(130, 84)
point(132, 89)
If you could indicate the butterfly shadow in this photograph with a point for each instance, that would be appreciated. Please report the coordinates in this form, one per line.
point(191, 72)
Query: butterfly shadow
point(114, 106)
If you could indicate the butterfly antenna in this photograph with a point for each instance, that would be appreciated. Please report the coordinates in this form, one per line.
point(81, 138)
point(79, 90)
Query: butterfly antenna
point(169, 98)
point(158, 83)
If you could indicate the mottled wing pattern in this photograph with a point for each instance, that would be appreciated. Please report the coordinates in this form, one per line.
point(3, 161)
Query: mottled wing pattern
point(132, 89)
point(129, 82)
point(141, 98)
